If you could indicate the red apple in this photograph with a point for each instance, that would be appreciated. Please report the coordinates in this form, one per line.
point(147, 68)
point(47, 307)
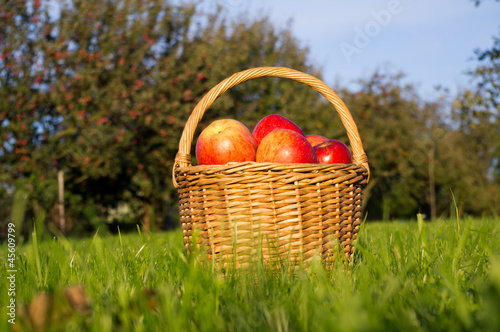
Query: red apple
point(225, 141)
point(316, 139)
point(333, 152)
point(273, 122)
point(285, 146)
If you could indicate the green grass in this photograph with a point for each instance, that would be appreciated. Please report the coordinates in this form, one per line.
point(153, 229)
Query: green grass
point(440, 276)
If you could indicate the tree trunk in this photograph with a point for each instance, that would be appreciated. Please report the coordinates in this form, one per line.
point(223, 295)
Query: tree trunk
point(367, 193)
point(62, 217)
point(432, 186)
point(147, 223)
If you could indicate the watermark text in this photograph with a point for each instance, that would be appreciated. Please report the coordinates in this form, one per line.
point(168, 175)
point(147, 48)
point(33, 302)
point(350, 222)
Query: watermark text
point(11, 273)
point(364, 35)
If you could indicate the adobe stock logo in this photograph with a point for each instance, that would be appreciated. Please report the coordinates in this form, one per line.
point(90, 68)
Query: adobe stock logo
point(228, 4)
point(363, 36)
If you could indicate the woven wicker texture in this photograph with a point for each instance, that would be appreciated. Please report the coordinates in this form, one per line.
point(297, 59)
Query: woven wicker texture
point(277, 211)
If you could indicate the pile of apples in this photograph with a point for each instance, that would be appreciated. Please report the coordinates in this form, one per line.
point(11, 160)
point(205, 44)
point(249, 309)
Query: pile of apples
point(274, 139)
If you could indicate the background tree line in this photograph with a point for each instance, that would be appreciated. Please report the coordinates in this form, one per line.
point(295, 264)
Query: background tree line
point(102, 90)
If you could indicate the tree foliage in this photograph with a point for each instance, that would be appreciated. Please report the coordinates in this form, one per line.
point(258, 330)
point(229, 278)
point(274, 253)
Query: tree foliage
point(399, 131)
point(476, 112)
point(102, 90)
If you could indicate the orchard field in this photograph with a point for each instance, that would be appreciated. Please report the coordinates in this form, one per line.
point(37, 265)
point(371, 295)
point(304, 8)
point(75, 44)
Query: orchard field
point(407, 276)
point(94, 98)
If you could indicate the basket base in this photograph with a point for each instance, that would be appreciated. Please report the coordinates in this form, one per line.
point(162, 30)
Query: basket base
point(274, 211)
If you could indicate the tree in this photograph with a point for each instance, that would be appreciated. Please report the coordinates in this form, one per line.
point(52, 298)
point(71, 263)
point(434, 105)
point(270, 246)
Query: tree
point(24, 117)
point(477, 113)
point(102, 90)
point(398, 131)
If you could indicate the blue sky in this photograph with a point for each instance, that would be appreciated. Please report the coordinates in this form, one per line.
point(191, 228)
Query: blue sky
point(432, 42)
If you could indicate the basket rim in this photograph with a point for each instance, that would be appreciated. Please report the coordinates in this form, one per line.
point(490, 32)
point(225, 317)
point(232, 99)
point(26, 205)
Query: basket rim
point(250, 167)
point(274, 166)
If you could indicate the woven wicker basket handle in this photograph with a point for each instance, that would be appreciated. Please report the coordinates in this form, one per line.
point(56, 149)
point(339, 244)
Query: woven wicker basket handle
point(183, 157)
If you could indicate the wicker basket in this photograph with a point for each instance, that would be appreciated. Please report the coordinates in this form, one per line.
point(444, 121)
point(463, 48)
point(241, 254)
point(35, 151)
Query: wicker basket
point(280, 212)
